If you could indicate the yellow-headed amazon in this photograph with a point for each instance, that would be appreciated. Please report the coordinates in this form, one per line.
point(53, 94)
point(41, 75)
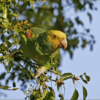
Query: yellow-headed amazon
point(42, 46)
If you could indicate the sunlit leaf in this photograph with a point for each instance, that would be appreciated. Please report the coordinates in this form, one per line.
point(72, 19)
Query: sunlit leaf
point(50, 95)
point(23, 38)
point(9, 58)
point(4, 87)
point(6, 24)
point(66, 76)
point(16, 29)
point(4, 14)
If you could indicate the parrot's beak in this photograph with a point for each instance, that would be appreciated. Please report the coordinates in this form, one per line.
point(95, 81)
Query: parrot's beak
point(63, 43)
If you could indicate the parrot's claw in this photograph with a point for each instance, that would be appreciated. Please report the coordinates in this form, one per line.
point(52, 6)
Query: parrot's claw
point(39, 72)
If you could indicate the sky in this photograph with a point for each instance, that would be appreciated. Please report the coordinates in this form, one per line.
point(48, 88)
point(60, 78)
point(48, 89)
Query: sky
point(83, 60)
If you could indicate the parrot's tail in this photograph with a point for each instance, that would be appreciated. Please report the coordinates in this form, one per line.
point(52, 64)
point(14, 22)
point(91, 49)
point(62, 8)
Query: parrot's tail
point(39, 72)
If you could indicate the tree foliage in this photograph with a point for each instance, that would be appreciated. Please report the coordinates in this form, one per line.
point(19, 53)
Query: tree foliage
point(16, 18)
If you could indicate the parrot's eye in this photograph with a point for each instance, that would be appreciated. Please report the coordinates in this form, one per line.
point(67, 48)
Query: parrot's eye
point(54, 36)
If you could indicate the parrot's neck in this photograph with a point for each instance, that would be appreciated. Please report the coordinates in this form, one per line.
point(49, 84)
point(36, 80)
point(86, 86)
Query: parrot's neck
point(45, 45)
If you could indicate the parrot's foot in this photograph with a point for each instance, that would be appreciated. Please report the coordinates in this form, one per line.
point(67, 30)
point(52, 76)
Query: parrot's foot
point(39, 72)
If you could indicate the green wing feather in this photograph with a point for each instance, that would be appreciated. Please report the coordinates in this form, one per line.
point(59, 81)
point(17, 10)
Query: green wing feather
point(38, 48)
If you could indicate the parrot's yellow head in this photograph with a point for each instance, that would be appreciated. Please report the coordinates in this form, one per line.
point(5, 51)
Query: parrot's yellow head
point(58, 39)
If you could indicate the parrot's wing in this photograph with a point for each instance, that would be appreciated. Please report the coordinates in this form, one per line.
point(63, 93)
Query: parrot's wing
point(37, 31)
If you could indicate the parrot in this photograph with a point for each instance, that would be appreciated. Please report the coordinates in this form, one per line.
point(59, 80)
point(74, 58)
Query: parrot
point(42, 46)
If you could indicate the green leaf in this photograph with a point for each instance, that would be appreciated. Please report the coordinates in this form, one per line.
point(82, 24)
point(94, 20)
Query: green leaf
point(14, 84)
point(28, 74)
point(0, 19)
point(14, 15)
point(7, 42)
point(61, 96)
point(23, 38)
point(84, 93)
point(54, 64)
point(75, 95)
point(84, 43)
point(14, 22)
point(32, 7)
point(4, 14)
point(14, 2)
point(16, 29)
point(43, 94)
point(1, 58)
point(6, 24)
point(78, 21)
point(9, 58)
point(71, 53)
point(66, 76)
point(25, 71)
point(2, 76)
point(58, 86)
point(50, 95)
point(90, 17)
point(31, 1)
point(91, 5)
point(4, 87)
point(37, 31)
point(15, 40)
point(83, 79)
point(8, 2)
point(87, 77)
point(8, 69)
point(1, 9)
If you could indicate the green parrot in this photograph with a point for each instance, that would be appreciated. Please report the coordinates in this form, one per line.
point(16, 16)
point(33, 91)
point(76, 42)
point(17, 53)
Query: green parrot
point(42, 46)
